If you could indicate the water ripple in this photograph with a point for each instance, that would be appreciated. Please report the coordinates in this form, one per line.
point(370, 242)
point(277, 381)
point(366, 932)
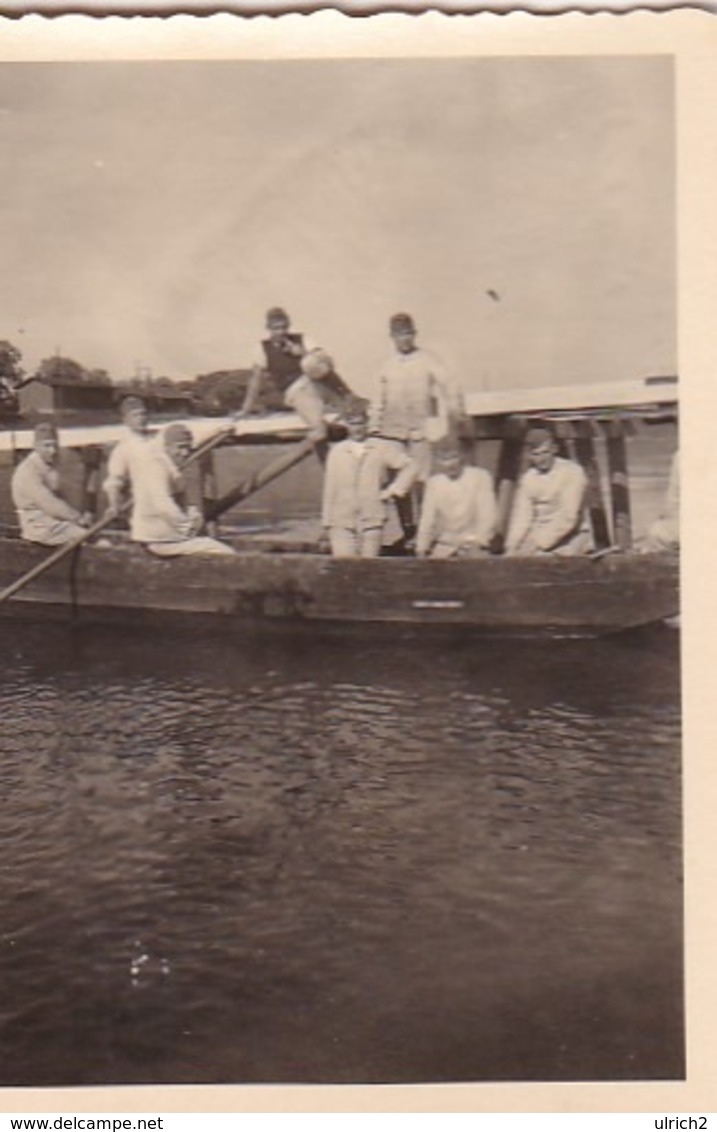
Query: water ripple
point(325, 850)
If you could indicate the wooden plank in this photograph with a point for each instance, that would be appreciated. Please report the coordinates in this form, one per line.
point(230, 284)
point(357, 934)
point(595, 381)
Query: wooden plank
point(510, 464)
point(208, 487)
point(282, 426)
point(587, 457)
point(619, 485)
point(609, 396)
point(606, 394)
point(91, 459)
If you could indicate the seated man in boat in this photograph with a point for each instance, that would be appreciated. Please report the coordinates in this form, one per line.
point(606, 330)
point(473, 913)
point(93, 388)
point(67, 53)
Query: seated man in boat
point(458, 513)
point(130, 452)
point(664, 533)
point(357, 487)
point(161, 520)
point(302, 373)
point(549, 514)
point(415, 394)
point(45, 516)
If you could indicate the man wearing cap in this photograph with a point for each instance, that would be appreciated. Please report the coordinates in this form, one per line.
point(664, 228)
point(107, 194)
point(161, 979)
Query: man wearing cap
point(413, 387)
point(130, 453)
point(458, 513)
point(161, 520)
point(45, 516)
point(302, 373)
point(357, 487)
point(549, 514)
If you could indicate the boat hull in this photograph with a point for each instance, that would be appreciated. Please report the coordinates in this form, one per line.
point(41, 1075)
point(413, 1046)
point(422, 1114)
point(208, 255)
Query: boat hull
point(579, 596)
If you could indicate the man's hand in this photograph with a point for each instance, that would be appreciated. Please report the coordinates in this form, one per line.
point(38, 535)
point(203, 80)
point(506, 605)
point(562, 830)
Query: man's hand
point(194, 521)
point(387, 495)
point(86, 519)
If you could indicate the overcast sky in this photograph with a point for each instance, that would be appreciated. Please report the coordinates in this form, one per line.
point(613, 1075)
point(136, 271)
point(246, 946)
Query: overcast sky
point(522, 209)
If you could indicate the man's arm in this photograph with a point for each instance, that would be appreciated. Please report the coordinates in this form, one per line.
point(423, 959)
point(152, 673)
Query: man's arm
point(39, 495)
point(158, 496)
point(427, 521)
point(448, 389)
point(117, 478)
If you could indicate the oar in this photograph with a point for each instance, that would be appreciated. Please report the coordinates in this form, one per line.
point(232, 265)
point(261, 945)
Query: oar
point(260, 478)
point(56, 556)
point(68, 547)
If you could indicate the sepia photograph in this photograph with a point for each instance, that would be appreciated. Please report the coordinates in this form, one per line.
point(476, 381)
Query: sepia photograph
point(340, 571)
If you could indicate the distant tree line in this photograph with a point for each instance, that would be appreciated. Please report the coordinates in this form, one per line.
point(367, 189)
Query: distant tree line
point(54, 370)
point(66, 371)
point(216, 393)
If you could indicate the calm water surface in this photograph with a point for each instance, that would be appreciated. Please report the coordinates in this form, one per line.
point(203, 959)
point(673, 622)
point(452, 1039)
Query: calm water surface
point(333, 857)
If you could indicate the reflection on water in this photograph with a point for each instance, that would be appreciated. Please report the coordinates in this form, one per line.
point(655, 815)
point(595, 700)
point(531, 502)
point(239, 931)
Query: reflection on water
point(323, 857)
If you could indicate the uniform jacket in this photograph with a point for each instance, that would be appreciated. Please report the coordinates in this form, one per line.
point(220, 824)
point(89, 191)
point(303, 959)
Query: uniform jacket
point(457, 512)
point(412, 387)
point(34, 488)
point(549, 506)
point(355, 477)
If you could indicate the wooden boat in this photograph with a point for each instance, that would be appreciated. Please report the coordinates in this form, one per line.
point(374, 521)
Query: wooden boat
point(578, 596)
point(613, 590)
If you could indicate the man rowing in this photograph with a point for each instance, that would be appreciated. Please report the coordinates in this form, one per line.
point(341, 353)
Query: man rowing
point(161, 519)
point(45, 515)
point(131, 451)
point(549, 514)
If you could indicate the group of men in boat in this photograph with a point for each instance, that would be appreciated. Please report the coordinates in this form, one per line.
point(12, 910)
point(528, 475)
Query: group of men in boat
point(392, 452)
point(146, 467)
point(457, 510)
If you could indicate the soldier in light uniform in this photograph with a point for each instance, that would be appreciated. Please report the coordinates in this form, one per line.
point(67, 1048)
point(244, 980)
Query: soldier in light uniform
point(549, 514)
point(45, 515)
